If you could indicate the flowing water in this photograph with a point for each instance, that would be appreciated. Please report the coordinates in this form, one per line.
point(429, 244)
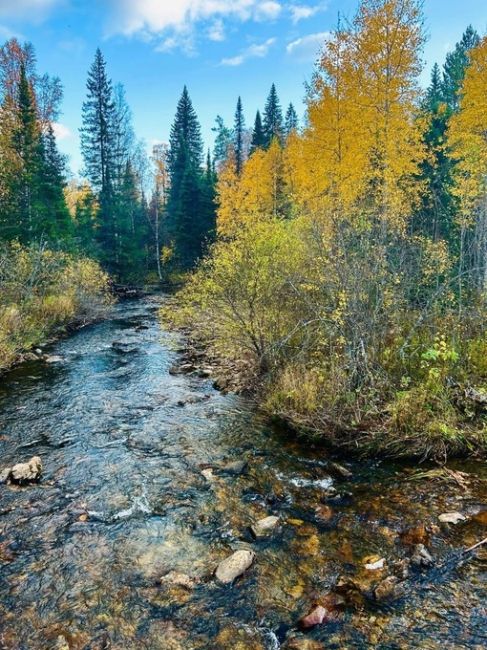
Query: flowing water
point(86, 554)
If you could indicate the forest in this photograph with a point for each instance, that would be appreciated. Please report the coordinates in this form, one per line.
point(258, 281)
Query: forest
point(243, 359)
point(335, 268)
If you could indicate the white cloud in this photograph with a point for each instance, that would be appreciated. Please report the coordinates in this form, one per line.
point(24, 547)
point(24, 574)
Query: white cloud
point(152, 17)
point(31, 9)
point(61, 131)
point(268, 10)
point(253, 51)
point(307, 48)
point(216, 31)
point(302, 12)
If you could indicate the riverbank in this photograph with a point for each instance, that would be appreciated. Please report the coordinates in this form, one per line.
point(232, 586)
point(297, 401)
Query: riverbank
point(151, 481)
point(440, 418)
point(45, 294)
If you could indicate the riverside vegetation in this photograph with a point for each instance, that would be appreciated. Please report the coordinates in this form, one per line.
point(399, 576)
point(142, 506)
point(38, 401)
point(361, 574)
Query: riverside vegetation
point(348, 281)
point(339, 268)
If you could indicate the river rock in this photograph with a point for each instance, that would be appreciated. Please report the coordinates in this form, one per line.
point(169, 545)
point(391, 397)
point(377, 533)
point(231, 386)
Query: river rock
point(234, 468)
point(179, 579)
point(234, 566)
point(182, 369)
point(375, 564)
point(451, 518)
point(389, 589)
point(415, 535)
point(317, 616)
point(324, 513)
point(264, 527)
point(30, 356)
point(422, 557)
point(339, 470)
point(26, 472)
point(208, 474)
point(53, 358)
point(5, 475)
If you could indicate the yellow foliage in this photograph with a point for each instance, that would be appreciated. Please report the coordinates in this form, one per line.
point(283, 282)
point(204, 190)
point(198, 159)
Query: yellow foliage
point(362, 148)
point(468, 137)
point(41, 290)
point(256, 195)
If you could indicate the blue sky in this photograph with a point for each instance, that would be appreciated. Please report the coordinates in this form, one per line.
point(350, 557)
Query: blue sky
point(219, 48)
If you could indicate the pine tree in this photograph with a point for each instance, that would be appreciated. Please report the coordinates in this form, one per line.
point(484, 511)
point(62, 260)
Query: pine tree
point(238, 137)
point(258, 136)
point(273, 125)
point(98, 149)
point(186, 221)
point(291, 122)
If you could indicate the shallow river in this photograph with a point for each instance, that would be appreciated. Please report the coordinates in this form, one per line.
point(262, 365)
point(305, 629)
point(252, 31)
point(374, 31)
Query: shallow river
point(86, 555)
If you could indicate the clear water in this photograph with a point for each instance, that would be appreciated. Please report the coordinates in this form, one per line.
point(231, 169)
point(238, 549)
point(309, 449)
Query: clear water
point(123, 502)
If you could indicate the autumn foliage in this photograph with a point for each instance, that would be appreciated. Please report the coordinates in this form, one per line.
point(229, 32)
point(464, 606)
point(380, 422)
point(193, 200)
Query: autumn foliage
point(355, 318)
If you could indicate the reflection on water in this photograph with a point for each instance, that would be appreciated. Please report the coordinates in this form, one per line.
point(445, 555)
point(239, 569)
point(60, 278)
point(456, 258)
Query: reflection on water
point(86, 556)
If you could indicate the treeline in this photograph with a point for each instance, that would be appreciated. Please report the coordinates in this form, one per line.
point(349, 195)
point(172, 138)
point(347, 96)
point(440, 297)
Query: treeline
point(141, 217)
point(348, 280)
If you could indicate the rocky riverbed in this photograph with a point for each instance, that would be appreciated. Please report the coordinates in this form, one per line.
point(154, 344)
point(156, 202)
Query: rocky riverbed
point(152, 511)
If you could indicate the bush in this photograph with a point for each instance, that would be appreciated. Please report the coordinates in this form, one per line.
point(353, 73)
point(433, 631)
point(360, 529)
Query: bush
point(42, 291)
point(346, 336)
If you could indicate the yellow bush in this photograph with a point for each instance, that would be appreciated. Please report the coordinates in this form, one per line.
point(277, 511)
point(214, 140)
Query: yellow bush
point(41, 290)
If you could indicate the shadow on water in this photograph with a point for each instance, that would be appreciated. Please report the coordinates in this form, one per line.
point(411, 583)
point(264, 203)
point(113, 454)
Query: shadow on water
point(123, 502)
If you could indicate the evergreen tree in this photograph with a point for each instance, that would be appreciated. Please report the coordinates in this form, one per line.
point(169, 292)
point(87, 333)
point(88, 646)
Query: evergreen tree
point(187, 221)
point(258, 136)
point(123, 134)
point(291, 122)
point(98, 150)
point(273, 125)
point(238, 137)
point(58, 223)
point(223, 141)
point(455, 65)
point(437, 214)
point(27, 149)
point(131, 226)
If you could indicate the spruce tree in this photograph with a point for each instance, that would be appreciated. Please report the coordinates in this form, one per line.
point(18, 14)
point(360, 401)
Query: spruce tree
point(58, 223)
point(238, 137)
point(437, 214)
point(187, 222)
point(98, 149)
point(455, 65)
point(258, 136)
point(291, 122)
point(27, 147)
point(223, 141)
point(437, 209)
point(273, 126)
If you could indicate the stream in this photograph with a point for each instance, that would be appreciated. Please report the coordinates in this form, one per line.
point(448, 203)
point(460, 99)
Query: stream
point(116, 546)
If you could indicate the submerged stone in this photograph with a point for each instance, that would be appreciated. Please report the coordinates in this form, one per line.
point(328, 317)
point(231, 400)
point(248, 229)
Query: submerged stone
point(265, 526)
point(451, 518)
point(389, 589)
point(26, 472)
point(422, 557)
point(234, 566)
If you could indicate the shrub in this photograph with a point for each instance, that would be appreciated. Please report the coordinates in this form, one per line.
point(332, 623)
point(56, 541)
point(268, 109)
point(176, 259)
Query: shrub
point(42, 291)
